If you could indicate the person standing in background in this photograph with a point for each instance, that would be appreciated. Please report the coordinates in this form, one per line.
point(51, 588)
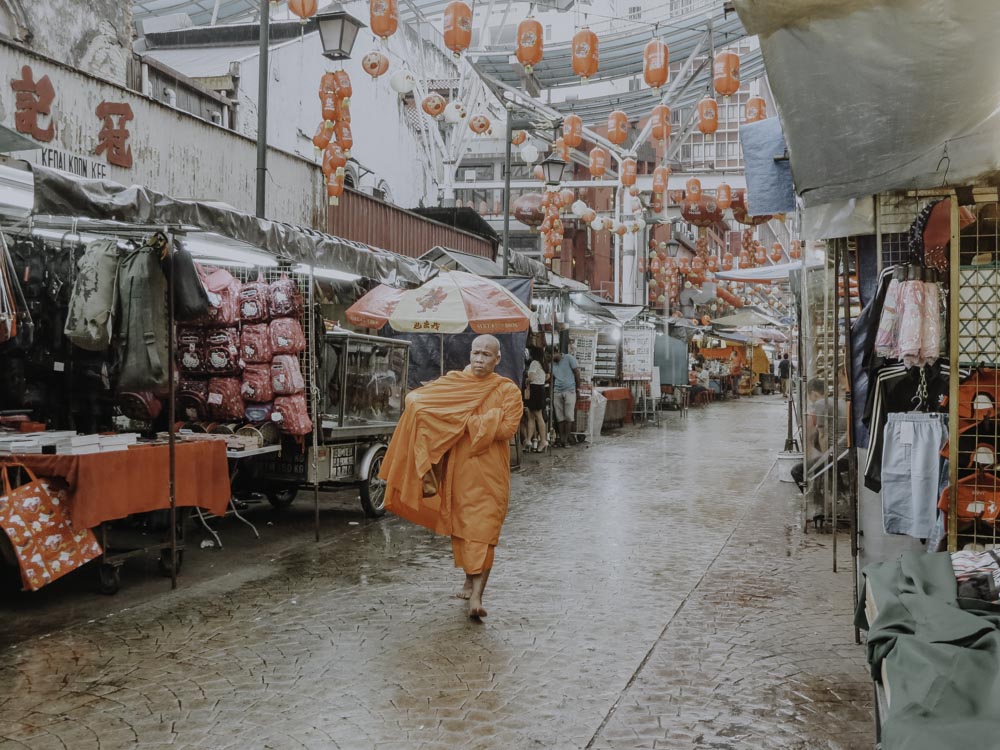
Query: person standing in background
point(785, 374)
point(566, 381)
point(537, 378)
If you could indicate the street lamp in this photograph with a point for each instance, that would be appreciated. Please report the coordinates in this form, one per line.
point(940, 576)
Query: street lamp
point(553, 167)
point(673, 246)
point(338, 30)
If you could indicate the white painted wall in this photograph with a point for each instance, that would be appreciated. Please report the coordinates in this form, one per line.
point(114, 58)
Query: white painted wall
point(173, 152)
point(92, 35)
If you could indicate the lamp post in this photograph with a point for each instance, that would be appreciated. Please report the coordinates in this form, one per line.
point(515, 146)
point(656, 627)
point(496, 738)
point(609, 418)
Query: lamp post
point(553, 167)
point(338, 31)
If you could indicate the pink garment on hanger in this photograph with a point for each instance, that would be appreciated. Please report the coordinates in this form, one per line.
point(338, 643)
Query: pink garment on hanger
point(930, 345)
point(886, 339)
point(911, 306)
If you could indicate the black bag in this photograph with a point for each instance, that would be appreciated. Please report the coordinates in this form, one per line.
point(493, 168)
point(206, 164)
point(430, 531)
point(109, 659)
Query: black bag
point(190, 297)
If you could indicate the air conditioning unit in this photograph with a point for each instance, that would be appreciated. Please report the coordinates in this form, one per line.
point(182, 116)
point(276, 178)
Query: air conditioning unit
point(470, 175)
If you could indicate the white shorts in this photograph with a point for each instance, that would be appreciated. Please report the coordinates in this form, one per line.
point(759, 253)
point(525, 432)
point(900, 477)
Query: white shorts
point(564, 405)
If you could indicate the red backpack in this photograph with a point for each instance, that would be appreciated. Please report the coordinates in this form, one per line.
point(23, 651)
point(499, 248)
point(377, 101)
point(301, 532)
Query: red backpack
point(254, 303)
point(222, 351)
point(223, 298)
point(225, 400)
point(285, 298)
point(255, 344)
point(190, 354)
point(257, 383)
point(287, 336)
point(292, 415)
point(286, 376)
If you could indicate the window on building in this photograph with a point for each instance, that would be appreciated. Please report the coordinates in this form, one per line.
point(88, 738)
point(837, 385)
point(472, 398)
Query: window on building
point(633, 84)
point(709, 151)
point(635, 12)
point(685, 153)
point(548, 32)
point(733, 150)
point(698, 152)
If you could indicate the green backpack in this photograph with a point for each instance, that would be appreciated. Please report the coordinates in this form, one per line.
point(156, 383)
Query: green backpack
point(91, 316)
point(144, 333)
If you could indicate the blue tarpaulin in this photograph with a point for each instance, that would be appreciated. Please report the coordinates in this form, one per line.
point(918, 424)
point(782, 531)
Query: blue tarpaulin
point(769, 182)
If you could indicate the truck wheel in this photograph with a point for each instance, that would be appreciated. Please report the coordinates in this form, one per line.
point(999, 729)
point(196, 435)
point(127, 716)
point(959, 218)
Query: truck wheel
point(109, 579)
point(373, 488)
point(281, 496)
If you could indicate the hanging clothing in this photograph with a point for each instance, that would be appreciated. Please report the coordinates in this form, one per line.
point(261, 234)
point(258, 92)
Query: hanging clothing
point(901, 389)
point(863, 332)
point(910, 324)
point(910, 466)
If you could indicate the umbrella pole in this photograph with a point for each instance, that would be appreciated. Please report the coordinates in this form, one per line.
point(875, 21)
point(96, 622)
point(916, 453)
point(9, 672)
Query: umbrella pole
point(441, 356)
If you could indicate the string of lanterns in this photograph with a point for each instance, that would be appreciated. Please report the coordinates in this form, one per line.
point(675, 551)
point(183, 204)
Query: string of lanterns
point(333, 137)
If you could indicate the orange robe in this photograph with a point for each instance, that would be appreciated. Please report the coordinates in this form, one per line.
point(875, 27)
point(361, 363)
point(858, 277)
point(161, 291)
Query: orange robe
point(462, 425)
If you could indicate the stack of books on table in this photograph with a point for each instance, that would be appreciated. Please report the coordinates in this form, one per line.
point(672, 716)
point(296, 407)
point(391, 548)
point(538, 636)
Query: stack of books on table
point(78, 445)
point(119, 442)
point(18, 445)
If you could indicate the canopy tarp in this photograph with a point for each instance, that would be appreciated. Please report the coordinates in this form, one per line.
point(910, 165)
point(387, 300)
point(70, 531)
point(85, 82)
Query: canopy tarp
point(592, 305)
point(882, 95)
point(746, 317)
point(62, 194)
point(762, 275)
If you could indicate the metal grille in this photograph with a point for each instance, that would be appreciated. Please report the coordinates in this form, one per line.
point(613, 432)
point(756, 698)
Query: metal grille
point(974, 487)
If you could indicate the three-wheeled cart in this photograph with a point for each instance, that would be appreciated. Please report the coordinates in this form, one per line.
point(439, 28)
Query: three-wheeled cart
point(358, 393)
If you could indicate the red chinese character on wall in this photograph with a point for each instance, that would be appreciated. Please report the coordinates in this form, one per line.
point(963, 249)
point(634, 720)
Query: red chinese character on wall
point(114, 135)
point(33, 100)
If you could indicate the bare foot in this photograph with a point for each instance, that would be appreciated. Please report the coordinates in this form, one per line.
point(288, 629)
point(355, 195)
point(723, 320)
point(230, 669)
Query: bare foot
point(476, 610)
point(466, 591)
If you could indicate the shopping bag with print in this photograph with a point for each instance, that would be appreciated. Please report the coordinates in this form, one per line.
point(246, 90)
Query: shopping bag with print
point(35, 517)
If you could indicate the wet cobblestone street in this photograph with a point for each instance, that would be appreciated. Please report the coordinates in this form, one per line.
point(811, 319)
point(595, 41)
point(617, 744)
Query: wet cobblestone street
point(654, 590)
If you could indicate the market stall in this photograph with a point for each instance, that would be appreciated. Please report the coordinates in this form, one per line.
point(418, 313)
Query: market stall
point(180, 337)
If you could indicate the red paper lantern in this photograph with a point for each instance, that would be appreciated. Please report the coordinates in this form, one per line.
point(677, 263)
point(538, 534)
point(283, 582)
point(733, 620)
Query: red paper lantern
point(660, 120)
point(724, 196)
point(692, 189)
point(434, 105)
point(375, 64)
point(384, 17)
point(566, 197)
point(324, 134)
point(656, 64)
point(756, 109)
point(304, 9)
point(617, 127)
point(585, 58)
point(479, 124)
point(708, 115)
point(629, 171)
point(527, 209)
point(661, 178)
point(530, 40)
point(457, 27)
point(573, 131)
point(598, 162)
point(726, 73)
point(518, 137)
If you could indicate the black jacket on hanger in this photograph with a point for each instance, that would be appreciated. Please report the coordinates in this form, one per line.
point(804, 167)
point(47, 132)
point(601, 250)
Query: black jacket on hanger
point(863, 332)
point(895, 390)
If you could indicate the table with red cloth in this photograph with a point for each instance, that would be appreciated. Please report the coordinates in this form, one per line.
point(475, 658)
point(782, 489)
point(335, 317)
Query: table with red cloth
point(107, 486)
point(613, 412)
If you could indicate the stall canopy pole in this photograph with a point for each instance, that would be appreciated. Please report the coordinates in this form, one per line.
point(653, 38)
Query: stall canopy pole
point(172, 409)
point(954, 308)
point(314, 390)
point(852, 453)
point(262, 81)
point(506, 192)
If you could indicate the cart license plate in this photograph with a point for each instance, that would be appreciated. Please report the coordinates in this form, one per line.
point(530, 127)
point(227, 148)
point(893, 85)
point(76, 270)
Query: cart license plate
point(342, 461)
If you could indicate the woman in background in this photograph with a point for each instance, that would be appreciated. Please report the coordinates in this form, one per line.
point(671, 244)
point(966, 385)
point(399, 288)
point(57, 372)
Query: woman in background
point(538, 434)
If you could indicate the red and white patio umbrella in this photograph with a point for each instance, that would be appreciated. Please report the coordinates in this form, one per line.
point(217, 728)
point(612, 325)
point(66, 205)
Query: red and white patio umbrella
point(451, 302)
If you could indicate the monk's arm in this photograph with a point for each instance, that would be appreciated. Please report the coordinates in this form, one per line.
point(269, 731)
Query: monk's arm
point(499, 423)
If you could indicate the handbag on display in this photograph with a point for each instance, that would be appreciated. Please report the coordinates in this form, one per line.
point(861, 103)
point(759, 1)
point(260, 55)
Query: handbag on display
point(292, 415)
point(225, 399)
point(192, 400)
point(285, 298)
point(190, 295)
point(260, 435)
point(257, 383)
point(143, 406)
point(254, 298)
point(255, 344)
point(34, 516)
point(223, 298)
point(287, 336)
point(222, 351)
point(286, 376)
point(190, 353)
point(91, 315)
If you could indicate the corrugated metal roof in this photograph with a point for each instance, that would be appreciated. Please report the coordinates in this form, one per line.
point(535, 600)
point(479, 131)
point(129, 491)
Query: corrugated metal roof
point(200, 11)
point(201, 62)
point(440, 256)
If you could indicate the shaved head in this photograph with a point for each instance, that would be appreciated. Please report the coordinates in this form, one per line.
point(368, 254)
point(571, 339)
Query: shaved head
point(487, 340)
point(485, 355)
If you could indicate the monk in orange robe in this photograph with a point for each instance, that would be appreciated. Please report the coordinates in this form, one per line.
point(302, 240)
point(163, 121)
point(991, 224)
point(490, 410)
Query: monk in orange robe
point(448, 464)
